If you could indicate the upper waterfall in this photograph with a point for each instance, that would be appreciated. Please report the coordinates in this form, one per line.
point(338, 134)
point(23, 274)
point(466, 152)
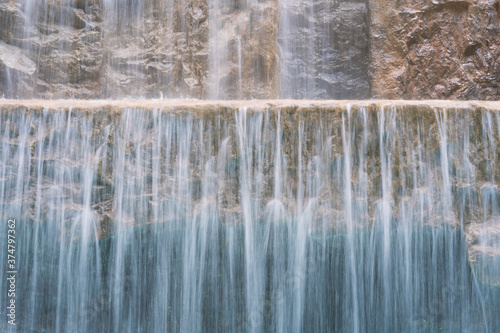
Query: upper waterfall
point(324, 49)
point(249, 49)
point(250, 166)
point(139, 49)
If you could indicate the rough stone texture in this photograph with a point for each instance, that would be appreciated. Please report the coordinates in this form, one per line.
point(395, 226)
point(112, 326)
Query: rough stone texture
point(161, 50)
point(62, 39)
point(229, 49)
point(324, 49)
point(86, 49)
point(12, 58)
point(244, 52)
point(435, 49)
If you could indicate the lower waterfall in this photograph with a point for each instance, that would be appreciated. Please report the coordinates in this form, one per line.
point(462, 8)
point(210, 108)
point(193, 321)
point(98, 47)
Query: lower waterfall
point(265, 216)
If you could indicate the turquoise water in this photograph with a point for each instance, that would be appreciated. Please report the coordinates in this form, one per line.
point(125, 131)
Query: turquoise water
point(431, 285)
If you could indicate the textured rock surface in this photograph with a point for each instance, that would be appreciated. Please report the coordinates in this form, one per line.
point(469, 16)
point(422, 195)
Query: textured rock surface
point(435, 49)
point(160, 50)
point(225, 49)
point(94, 49)
point(62, 39)
point(244, 53)
point(13, 59)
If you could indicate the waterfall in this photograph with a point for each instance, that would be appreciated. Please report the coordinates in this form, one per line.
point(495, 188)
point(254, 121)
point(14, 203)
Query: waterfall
point(324, 49)
point(265, 217)
point(151, 181)
point(215, 49)
point(119, 49)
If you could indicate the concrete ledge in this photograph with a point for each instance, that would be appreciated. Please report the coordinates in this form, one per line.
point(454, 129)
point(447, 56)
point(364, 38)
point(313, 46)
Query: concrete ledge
point(253, 104)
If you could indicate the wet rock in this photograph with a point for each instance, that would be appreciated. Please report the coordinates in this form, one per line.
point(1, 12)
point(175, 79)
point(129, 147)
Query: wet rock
point(12, 22)
point(484, 250)
point(17, 71)
point(325, 49)
point(85, 49)
point(259, 50)
point(13, 59)
point(232, 50)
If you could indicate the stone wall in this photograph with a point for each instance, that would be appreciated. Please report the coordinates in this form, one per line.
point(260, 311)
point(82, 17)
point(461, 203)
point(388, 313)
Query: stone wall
point(94, 49)
point(435, 49)
point(221, 49)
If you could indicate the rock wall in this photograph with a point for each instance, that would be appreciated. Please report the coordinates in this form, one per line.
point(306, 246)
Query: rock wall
point(148, 49)
point(435, 49)
point(244, 52)
point(221, 49)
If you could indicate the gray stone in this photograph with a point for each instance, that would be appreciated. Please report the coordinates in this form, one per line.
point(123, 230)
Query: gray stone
point(13, 59)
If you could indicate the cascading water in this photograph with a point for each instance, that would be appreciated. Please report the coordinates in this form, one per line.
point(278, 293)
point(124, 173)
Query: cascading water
point(216, 49)
point(324, 49)
point(259, 218)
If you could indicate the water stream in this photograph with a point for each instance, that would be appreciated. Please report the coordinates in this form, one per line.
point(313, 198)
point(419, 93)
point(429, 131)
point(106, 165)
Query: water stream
point(358, 219)
point(217, 49)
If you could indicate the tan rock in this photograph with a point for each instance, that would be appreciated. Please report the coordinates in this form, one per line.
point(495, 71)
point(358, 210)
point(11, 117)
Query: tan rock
point(435, 49)
point(13, 58)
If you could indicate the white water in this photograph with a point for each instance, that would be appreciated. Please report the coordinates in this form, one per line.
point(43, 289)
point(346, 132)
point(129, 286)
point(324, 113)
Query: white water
point(324, 49)
point(272, 221)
